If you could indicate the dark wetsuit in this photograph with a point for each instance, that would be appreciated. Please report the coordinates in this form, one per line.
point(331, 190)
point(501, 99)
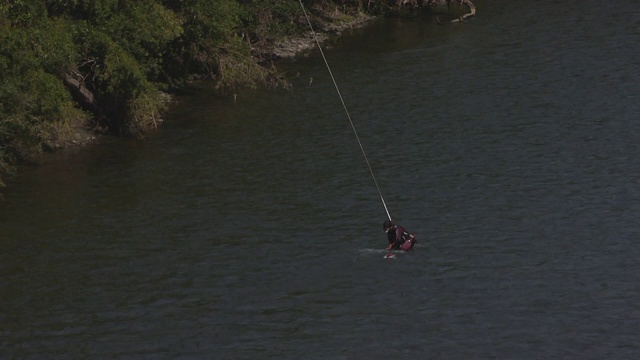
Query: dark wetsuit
point(398, 236)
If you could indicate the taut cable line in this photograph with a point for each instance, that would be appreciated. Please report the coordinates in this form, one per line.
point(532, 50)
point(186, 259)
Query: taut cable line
point(364, 154)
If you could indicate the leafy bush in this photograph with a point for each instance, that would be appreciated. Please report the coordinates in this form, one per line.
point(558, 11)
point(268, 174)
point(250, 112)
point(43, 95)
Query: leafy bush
point(35, 107)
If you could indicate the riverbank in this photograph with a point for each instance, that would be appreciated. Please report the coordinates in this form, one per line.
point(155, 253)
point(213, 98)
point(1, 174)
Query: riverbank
point(121, 88)
point(74, 74)
point(337, 23)
point(334, 24)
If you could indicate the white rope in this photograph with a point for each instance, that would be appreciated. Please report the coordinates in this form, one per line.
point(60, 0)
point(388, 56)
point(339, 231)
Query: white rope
point(345, 110)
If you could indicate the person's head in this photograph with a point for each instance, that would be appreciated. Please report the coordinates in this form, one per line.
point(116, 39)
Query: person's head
point(387, 225)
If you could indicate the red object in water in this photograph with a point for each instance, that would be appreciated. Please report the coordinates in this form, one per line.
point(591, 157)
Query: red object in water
point(407, 245)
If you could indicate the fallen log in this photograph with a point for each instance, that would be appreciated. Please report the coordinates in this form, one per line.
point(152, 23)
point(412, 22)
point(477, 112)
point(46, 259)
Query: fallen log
point(80, 93)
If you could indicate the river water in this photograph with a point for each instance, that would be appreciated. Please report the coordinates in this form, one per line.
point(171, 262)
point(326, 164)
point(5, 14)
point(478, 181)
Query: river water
point(252, 230)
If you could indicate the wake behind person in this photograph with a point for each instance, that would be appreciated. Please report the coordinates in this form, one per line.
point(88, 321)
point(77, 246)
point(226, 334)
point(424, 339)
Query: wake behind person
point(398, 237)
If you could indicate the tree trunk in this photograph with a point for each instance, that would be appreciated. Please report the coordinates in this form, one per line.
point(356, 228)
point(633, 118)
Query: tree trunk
point(80, 93)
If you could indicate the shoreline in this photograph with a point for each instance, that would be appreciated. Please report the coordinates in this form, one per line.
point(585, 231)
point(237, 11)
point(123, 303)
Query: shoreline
point(295, 46)
point(328, 25)
point(82, 134)
point(284, 49)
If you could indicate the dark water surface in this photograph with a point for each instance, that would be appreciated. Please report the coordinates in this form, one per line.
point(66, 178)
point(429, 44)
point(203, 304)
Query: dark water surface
point(253, 230)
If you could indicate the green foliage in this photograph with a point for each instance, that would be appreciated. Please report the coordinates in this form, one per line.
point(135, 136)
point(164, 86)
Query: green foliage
point(34, 104)
point(215, 44)
point(23, 13)
point(235, 67)
point(145, 29)
point(35, 107)
point(217, 20)
point(269, 20)
point(209, 26)
point(131, 102)
point(120, 83)
point(52, 43)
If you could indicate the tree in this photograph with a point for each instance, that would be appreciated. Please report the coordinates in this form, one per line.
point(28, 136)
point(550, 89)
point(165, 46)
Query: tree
point(35, 108)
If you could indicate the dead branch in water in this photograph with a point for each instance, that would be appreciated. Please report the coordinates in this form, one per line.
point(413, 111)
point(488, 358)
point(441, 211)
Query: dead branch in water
point(472, 10)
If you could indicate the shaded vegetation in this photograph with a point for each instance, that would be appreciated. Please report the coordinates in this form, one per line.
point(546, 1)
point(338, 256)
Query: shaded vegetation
point(108, 64)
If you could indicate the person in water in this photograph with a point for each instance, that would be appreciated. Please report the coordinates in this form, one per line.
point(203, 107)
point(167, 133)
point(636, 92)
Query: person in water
point(398, 237)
